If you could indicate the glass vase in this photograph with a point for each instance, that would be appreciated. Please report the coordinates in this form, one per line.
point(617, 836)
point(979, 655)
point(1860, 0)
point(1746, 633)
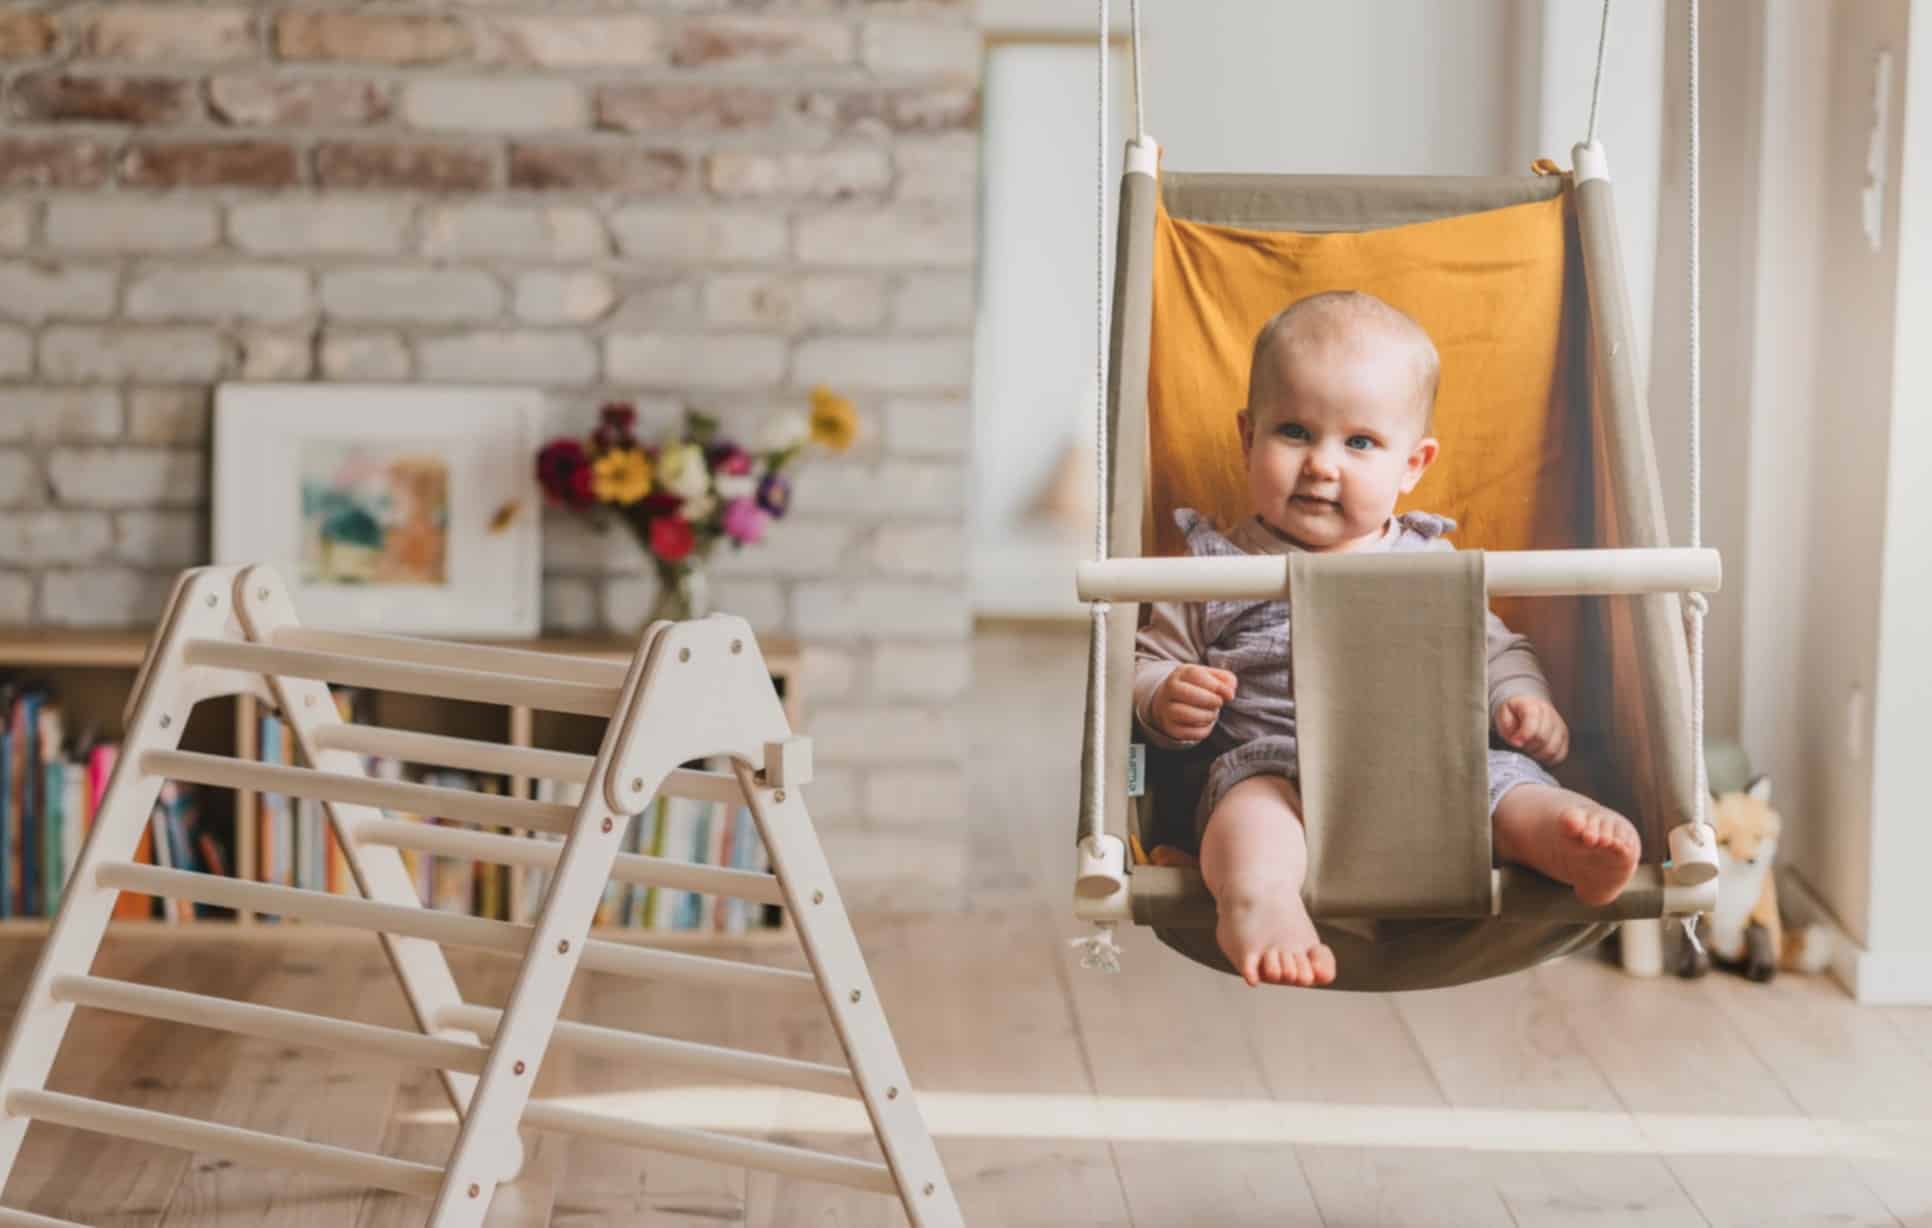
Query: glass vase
point(683, 591)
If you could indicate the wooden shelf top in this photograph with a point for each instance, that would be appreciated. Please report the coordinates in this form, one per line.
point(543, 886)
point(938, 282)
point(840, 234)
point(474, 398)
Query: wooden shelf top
point(51, 647)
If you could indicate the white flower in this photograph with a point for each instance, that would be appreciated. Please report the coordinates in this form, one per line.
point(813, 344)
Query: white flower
point(697, 508)
point(681, 471)
point(788, 430)
point(736, 485)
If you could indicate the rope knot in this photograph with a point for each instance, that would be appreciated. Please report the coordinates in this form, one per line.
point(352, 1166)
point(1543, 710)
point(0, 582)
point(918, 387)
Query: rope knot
point(1700, 605)
point(1098, 949)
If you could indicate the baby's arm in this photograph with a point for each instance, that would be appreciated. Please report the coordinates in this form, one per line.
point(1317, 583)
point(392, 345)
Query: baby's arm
point(1520, 708)
point(1170, 642)
point(1513, 667)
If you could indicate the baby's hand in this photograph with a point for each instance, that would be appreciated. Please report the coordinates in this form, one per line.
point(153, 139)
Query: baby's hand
point(1189, 701)
point(1534, 726)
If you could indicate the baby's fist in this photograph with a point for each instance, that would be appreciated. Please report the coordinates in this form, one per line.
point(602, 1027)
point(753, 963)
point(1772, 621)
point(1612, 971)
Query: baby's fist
point(1533, 725)
point(1189, 701)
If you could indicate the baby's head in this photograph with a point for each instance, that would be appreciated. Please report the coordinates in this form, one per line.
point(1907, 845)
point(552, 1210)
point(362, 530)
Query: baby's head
point(1341, 396)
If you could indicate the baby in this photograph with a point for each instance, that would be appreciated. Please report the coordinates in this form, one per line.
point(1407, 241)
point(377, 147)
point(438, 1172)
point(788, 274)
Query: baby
point(1341, 398)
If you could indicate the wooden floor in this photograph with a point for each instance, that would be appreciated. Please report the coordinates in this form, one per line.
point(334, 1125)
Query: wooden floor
point(1166, 1095)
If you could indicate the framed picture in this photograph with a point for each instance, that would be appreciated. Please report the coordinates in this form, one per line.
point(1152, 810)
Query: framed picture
point(411, 509)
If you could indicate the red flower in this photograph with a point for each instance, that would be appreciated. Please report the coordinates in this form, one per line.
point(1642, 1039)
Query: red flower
point(672, 538)
point(563, 470)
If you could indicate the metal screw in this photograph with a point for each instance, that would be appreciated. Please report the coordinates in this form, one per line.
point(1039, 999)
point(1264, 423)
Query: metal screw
point(637, 783)
point(818, 897)
point(166, 720)
point(856, 995)
point(780, 795)
point(308, 701)
point(928, 1190)
point(213, 601)
point(261, 594)
point(737, 646)
point(518, 1068)
point(892, 1093)
point(475, 1189)
point(563, 946)
point(606, 822)
point(684, 654)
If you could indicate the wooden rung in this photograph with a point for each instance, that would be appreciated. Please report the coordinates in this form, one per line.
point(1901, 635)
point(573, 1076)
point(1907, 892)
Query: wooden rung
point(10, 1218)
point(464, 805)
point(620, 1045)
point(455, 654)
point(447, 682)
point(543, 854)
point(789, 1161)
point(271, 1023)
point(439, 750)
point(228, 1142)
point(449, 928)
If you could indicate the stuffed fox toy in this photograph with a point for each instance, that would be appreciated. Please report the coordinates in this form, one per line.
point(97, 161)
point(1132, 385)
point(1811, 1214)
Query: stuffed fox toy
point(1746, 930)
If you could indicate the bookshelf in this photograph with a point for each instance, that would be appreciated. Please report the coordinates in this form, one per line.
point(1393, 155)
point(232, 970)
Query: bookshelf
point(91, 671)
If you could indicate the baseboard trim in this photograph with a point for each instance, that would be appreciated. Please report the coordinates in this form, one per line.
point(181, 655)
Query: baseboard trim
point(1872, 978)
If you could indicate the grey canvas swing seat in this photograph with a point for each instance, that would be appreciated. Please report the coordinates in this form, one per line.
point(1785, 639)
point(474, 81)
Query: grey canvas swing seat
point(1387, 650)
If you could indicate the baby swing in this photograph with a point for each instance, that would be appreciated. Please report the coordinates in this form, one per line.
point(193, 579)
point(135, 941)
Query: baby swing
point(1547, 468)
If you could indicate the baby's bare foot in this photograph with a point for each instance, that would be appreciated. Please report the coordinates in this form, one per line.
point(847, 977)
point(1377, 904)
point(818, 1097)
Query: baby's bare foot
point(1597, 851)
point(1267, 936)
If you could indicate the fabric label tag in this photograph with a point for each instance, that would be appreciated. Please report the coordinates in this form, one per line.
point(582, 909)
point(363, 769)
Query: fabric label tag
point(1136, 769)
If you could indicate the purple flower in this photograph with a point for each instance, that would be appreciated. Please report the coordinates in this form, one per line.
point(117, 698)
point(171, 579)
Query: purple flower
point(775, 494)
point(744, 521)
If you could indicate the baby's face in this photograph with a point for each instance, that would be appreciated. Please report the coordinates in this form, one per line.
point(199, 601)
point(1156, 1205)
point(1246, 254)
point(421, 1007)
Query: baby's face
point(1337, 438)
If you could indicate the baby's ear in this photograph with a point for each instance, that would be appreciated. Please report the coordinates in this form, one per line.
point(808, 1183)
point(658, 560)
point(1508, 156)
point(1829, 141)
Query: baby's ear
point(1420, 458)
point(1245, 422)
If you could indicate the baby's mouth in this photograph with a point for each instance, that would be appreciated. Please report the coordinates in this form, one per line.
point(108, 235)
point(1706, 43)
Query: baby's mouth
point(1315, 503)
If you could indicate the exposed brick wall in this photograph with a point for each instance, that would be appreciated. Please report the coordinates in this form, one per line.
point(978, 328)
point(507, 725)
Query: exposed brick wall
point(696, 202)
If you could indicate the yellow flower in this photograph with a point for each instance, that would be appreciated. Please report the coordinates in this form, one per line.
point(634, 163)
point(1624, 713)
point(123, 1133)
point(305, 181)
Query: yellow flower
point(834, 422)
point(623, 476)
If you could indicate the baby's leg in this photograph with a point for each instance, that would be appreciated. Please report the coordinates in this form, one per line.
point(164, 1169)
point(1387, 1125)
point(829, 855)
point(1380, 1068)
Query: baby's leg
point(1568, 837)
point(1254, 857)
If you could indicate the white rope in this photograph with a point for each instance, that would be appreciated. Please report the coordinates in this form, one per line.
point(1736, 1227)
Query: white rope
point(1697, 605)
point(1140, 116)
point(1596, 87)
point(1093, 820)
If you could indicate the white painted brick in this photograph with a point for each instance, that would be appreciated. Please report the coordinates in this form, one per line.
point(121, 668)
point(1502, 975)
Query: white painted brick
point(550, 296)
point(569, 605)
point(572, 545)
point(828, 174)
point(172, 32)
point(759, 602)
point(698, 236)
point(103, 597)
point(826, 673)
point(676, 360)
point(893, 363)
point(834, 797)
point(495, 104)
point(64, 415)
point(160, 539)
point(627, 599)
point(760, 42)
point(127, 477)
point(944, 169)
point(922, 47)
point(655, 301)
point(16, 598)
point(360, 356)
point(144, 224)
point(325, 225)
point(569, 42)
point(500, 231)
point(20, 480)
point(928, 302)
point(897, 798)
point(269, 355)
point(412, 294)
point(17, 352)
point(16, 224)
point(777, 300)
point(109, 355)
point(912, 236)
point(847, 609)
point(899, 872)
point(48, 536)
point(920, 550)
point(168, 415)
point(879, 733)
point(790, 548)
point(922, 671)
point(257, 292)
point(928, 428)
point(43, 291)
point(508, 357)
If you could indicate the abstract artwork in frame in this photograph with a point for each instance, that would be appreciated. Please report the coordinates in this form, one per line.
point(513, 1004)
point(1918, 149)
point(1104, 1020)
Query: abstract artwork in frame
point(409, 509)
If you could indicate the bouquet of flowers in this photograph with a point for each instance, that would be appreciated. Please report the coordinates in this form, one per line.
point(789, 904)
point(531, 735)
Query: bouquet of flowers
point(683, 495)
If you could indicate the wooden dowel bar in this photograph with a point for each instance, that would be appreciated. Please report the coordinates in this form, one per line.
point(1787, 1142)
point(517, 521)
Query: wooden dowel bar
point(270, 1023)
point(779, 1158)
point(636, 868)
point(446, 682)
point(1509, 573)
point(451, 929)
point(229, 1142)
point(440, 750)
point(663, 1050)
point(455, 654)
point(10, 1218)
point(436, 801)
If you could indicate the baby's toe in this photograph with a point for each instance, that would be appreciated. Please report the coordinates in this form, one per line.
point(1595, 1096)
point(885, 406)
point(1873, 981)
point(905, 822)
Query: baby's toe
point(1272, 969)
point(1322, 964)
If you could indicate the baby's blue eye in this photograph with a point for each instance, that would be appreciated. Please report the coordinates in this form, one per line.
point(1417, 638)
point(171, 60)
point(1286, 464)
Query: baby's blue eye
point(1293, 430)
point(1361, 443)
